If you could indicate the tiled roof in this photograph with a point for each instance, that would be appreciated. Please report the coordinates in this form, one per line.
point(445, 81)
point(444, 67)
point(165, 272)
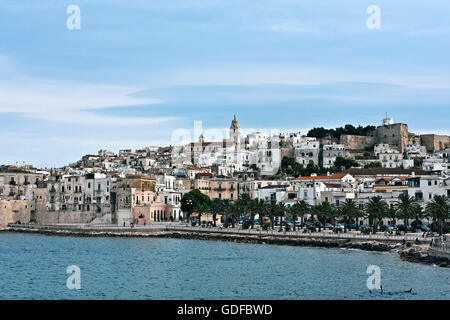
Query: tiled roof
point(336, 176)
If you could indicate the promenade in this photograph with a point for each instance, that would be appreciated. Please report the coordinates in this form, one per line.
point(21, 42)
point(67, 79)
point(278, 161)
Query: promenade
point(166, 228)
point(350, 235)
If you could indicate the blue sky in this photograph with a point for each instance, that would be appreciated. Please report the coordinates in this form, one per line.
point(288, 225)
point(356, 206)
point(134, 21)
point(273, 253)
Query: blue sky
point(138, 70)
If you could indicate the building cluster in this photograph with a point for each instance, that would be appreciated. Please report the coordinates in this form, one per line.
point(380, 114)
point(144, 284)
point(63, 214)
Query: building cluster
point(146, 186)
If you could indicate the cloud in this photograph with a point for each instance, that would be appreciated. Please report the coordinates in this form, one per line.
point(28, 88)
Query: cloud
point(67, 101)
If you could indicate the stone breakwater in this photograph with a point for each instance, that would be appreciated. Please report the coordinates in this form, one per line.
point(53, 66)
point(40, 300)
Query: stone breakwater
point(420, 254)
point(409, 252)
point(274, 240)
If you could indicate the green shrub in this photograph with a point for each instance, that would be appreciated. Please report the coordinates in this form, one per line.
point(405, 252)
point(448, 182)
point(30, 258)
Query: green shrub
point(337, 229)
point(288, 228)
point(384, 228)
point(246, 225)
point(366, 231)
point(312, 229)
point(266, 226)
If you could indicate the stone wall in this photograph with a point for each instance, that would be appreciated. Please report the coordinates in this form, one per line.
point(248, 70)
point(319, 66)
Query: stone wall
point(49, 217)
point(435, 142)
point(396, 135)
point(14, 211)
point(354, 142)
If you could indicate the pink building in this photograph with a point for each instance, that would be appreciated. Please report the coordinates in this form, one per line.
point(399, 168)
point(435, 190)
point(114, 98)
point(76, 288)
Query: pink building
point(149, 208)
point(223, 188)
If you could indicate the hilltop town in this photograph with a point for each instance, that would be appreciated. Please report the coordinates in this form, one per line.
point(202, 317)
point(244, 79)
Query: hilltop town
point(141, 187)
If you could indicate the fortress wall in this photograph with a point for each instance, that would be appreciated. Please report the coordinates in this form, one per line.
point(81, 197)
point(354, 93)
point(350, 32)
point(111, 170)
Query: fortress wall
point(396, 135)
point(354, 142)
point(435, 142)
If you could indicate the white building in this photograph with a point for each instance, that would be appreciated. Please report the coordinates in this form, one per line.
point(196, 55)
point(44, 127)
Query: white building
point(307, 152)
point(331, 152)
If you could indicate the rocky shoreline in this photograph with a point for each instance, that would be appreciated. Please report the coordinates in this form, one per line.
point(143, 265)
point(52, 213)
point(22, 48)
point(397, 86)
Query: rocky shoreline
point(409, 252)
point(419, 254)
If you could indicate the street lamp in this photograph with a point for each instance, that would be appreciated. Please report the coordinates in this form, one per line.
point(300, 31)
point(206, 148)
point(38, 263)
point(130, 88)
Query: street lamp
point(189, 208)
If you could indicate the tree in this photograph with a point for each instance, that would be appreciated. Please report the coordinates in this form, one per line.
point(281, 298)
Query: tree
point(408, 207)
point(299, 209)
point(376, 209)
point(227, 210)
point(244, 206)
point(261, 209)
point(281, 212)
point(439, 208)
point(273, 207)
point(349, 211)
point(323, 212)
point(375, 164)
point(342, 162)
point(216, 207)
point(193, 201)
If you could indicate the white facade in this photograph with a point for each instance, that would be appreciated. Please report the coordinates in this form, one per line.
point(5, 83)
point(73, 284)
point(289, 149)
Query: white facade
point(307, 152)
point(331, 152)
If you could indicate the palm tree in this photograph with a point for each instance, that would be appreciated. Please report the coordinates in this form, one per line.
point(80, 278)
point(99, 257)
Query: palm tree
point(227, 210)
point(323, 211)
point(273, 207)
point(376, 209)
point(407, 206)
point(262, 207)
point(254, 210)
point(281, 212)
point(439, 208)
point(216, 207)
point(349, 211)
point(299, 209)
point(392, 214)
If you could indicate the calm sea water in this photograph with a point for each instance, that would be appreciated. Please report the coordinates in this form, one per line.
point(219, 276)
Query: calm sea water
point(34, 267)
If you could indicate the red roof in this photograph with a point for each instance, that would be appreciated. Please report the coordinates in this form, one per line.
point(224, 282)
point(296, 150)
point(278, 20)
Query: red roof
point(193, 166)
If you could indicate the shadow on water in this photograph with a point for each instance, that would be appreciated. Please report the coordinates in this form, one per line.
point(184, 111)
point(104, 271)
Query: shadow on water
point(382, 292)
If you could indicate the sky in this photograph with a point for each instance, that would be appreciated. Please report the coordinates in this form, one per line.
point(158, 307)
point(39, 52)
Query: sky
point(137, 73)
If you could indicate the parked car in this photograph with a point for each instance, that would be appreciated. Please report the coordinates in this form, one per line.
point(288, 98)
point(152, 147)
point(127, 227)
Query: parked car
point(423, 227)
point(319, 224)
point(401, 227)
point(288, 223)
point(328, 226)
point(308, 224)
